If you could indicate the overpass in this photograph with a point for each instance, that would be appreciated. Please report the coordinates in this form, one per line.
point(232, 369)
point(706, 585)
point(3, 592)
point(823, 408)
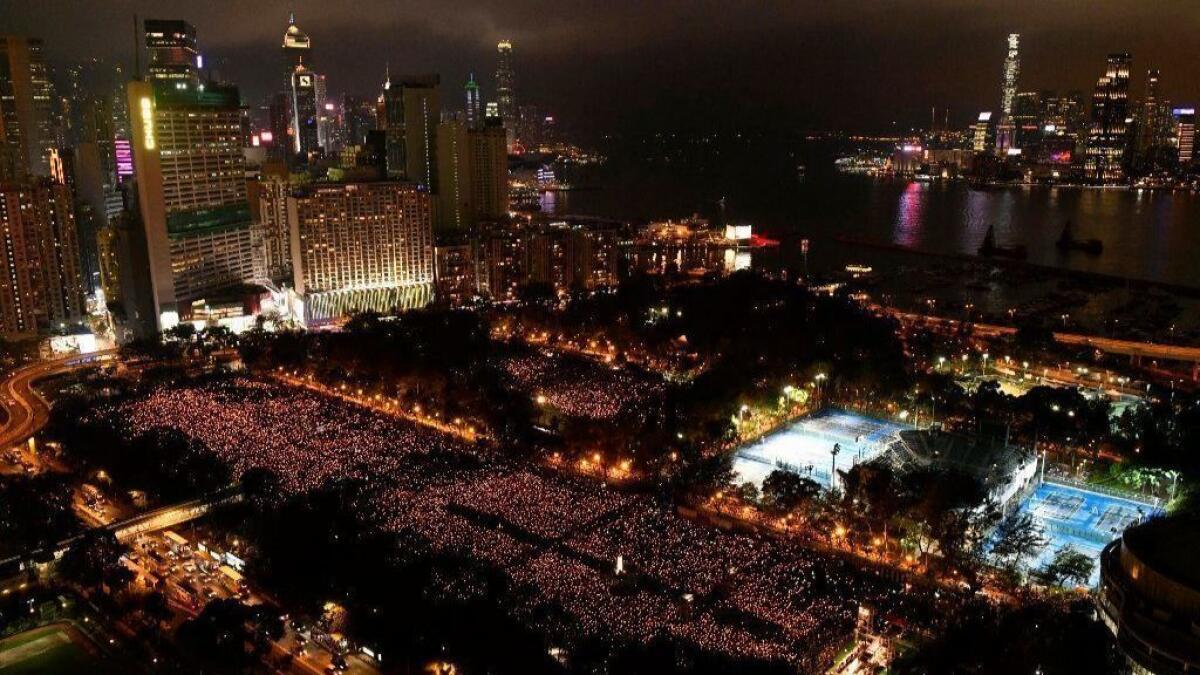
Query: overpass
point(1136, 351)
point(26, 412)
point(127, 529)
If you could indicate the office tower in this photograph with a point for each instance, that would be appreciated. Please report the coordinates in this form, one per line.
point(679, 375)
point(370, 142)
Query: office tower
point(278, 123)
point(474, 104)
point(358, 114)
point(305, 105)
point(26, 121)
point(1012, 70)
point(455, 203)
point(1108, 136)
point(1026, 115)
point(174, 58)
point(506, 101)
point(364, 246)
point(297, 46)
point(412, 111)
point(983, 133)
point(191, 185)
point(1185, 134)
point(489, 171)
point(42, 286)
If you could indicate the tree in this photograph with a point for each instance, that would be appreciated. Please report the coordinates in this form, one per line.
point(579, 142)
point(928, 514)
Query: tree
point(1017, 538)
point(1068, 566)
point(220, 636)
point(94, 560)
point(785, 491)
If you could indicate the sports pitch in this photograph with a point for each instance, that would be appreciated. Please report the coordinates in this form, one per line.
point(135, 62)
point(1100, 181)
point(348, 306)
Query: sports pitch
point(57, 648)
point(804, 447)
point(1083, 519)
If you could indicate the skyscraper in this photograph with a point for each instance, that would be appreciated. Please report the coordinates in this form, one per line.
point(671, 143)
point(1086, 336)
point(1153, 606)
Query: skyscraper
point(191, 185)
point(505, 81)
point(41, 286)
point(305, 107)
point(1012, 71)
point(1006, 129)
point(489, 171)
point(27, 133)
point(174, 57)
point(297, 46)
point(412, 110)
point(474, 104)
point(1108, 136)
point(1185, 134)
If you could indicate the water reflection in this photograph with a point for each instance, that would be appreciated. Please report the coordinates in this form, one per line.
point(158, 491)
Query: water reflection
point(910, 215)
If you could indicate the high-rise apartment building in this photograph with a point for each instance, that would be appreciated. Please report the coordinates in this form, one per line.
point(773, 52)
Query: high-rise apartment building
point(27, 134)
point(190, 173)
point(41, 283)
point(489, 171)
point(360, 246)
point(174, 57)
point(412, 110)
point(1108, 136)
point(455, 197)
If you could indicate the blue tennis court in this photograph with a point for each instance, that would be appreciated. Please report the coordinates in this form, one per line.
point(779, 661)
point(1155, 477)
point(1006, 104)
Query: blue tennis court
point(1080, 518)
point(804, 447)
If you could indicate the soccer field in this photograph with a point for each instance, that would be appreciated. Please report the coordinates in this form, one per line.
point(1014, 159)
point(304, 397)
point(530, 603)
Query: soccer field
point(57, 648)
point(804, 446)
point(1086, 520)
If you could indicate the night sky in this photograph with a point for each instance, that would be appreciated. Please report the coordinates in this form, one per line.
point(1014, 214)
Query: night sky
point(856, 65)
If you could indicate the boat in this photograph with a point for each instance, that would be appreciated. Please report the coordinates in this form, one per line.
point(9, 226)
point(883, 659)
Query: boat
point(990, 249)
point(1068, 242)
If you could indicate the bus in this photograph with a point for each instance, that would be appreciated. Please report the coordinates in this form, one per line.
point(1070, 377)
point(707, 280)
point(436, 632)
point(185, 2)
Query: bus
point(233, 580)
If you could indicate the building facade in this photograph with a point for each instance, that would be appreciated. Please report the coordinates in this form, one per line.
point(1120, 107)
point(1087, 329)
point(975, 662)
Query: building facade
point(1108, 136)
point(41, 286)
point(27, 134)
point(174, 56)
point(361, 246)
point(190, 173)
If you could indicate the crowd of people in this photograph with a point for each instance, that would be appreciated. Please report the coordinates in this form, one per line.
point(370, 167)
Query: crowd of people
point(580, 388)
point(584, 560)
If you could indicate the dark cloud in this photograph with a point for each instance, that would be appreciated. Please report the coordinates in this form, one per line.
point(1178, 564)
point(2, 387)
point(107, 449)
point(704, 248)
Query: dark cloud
point(857, 64)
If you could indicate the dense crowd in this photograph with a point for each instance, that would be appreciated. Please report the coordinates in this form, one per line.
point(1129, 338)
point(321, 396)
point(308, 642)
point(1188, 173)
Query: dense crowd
point(585, 560)
point(580, 388)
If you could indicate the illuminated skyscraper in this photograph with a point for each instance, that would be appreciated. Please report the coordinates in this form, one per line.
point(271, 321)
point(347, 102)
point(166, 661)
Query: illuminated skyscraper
point(191, 186)
point(1185, 134)
point(1012, 71)
point(174, 58)
point(474, 104)
point(305, 105)
point(505, 82)
point(1108, 136)
point(1006, 131)
point(26, 121)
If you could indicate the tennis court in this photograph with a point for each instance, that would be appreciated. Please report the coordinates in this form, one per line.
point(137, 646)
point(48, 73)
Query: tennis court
point(804, 447)
point(1080, 518)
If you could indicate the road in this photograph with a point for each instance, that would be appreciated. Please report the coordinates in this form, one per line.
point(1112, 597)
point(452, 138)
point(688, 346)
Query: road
point(26, 412)
point(1131, 348)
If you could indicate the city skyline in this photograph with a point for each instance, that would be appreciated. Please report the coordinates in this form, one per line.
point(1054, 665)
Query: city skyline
point(945, 55)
